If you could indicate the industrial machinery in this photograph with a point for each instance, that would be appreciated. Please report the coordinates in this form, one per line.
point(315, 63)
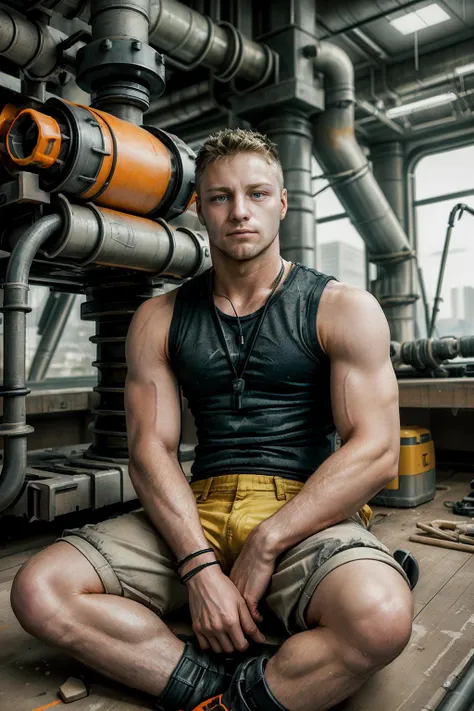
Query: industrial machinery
point(85, 202)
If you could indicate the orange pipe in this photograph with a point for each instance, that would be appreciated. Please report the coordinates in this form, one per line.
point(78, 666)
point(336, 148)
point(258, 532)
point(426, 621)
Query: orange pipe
point(142, 171)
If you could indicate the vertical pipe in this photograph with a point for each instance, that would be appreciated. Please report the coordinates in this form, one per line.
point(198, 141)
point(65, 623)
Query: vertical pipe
point(52, 332)
point(388, 167)
point(291, 131)
point(15, 307)
point(113, 19)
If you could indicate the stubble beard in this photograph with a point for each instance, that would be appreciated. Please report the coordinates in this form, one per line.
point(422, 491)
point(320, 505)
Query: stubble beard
point(245, 253)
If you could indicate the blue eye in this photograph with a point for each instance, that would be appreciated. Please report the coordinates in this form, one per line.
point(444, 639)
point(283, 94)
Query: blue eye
point(257, 194)
point(219, 198)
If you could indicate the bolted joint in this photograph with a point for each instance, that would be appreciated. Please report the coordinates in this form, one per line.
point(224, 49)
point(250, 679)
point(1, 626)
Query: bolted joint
point(106, 45)
point(136, 45)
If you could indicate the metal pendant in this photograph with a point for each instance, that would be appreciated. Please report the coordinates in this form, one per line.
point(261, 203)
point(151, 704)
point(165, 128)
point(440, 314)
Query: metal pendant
point(238, 387)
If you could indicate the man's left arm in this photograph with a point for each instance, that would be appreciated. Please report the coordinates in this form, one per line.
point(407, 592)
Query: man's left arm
point(364, 397)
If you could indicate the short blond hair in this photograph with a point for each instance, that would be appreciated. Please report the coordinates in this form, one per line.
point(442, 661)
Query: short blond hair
point(229, 142)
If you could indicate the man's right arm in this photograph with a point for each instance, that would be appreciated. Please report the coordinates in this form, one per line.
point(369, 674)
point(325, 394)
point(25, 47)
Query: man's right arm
point(153, 425)
point(152, 404)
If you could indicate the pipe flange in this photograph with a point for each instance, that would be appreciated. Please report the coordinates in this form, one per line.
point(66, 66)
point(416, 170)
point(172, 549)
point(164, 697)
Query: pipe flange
point(14, 392)
point(182, 66)
point(271, 63)
point(202, 248)
point(106, 61)
point(15, 430)
point(392, 257)
point(233, 68)
point(395, 300)
point(181, 188)
point(172, 245)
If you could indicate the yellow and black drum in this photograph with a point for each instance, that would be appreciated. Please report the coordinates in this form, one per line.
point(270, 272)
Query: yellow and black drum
point(416, 480)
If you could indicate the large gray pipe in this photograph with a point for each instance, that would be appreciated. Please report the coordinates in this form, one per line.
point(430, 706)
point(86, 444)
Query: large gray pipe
point(189, 38)
point(97, 235)
point(341, 158)
point(194, 40)
point(291, 131)
point(33, 45)
point(15, 307)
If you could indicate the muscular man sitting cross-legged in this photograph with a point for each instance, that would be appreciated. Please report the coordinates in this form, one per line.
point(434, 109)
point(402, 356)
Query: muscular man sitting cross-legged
point(273, 357)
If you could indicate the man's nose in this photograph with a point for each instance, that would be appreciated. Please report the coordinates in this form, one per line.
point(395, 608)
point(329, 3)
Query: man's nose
point(240, 208)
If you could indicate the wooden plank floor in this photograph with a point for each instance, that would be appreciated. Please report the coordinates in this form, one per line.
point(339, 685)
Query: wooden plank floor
point(443, 630)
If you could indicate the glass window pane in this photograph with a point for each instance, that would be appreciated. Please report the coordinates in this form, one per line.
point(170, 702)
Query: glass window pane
point(341, 252)
point(75, 352)
point(445, 172)
point(456, 315)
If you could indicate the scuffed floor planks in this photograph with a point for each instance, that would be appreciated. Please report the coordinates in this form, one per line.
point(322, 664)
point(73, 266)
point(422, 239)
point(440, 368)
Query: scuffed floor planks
point(443, 632)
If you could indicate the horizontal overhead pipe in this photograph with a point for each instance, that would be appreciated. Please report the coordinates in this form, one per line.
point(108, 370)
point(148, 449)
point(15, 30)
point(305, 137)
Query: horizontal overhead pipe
point(33, 45)
point(192, 39)
point(70, 9)
point(15, 307)
point(405, 78)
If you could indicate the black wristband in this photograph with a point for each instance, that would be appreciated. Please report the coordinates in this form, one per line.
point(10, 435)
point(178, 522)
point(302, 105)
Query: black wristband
point(192, 572)
point(181, 562)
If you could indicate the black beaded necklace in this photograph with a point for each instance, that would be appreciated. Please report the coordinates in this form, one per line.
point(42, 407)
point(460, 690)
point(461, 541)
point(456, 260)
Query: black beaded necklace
point(238, 382)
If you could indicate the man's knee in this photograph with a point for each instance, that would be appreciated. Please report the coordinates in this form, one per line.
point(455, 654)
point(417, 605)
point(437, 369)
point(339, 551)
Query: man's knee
point(379, 634)
point(370, 609)
point(45, 586)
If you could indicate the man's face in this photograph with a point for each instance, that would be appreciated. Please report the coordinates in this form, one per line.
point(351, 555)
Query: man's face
point(241, 202)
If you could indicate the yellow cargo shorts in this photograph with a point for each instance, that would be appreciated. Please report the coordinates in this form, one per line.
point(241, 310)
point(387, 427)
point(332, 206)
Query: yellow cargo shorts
point(133, 560)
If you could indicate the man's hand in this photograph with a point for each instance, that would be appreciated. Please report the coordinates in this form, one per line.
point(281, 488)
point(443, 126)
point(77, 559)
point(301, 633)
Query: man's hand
point(252, 571)
point(221, 619)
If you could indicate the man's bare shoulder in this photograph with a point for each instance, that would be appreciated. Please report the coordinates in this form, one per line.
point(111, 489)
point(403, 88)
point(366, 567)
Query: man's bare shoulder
point(347, 311)
point(151, 323)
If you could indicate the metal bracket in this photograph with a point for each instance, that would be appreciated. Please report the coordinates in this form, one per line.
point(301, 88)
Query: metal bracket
point(25, 188)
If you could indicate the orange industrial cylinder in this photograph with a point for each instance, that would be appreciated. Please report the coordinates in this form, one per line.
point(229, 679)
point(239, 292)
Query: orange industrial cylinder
point(137, 172)
point(94, 156)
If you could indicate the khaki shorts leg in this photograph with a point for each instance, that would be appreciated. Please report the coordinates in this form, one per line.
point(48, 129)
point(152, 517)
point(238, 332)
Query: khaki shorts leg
point(302, 568)
point(132, 560)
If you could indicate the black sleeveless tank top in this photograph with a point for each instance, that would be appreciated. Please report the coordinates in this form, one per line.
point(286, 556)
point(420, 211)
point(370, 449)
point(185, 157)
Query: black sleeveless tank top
point(285, 426)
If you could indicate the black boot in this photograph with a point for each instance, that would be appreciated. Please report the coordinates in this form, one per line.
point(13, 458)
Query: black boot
point(196, 677)
point(248, 691)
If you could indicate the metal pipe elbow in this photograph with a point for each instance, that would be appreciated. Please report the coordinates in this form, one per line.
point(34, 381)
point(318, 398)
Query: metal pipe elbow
point(338, 71)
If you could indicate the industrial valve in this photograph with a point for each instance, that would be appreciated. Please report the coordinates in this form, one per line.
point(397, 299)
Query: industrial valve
point(92, 156)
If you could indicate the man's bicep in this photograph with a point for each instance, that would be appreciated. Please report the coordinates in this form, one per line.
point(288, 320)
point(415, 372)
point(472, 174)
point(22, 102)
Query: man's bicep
point(364, 390)
point(152, 402)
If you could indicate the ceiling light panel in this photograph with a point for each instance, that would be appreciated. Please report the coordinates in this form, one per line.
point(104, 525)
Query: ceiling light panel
point(422, 104)
point(420, 19)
